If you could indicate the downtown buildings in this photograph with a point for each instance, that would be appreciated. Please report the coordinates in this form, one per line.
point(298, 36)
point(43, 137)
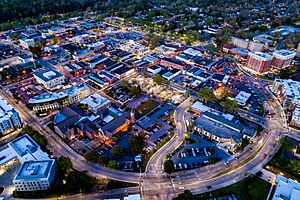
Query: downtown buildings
point(9, 117)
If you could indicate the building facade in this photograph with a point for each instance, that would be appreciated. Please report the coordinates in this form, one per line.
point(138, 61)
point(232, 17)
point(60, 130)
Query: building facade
point(50, 79)
point(9, 117)
point(282, 59)
point(258, 62)
point(35, 175)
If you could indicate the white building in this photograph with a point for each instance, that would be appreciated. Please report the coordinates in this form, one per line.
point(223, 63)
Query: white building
point(80, 39)
point(242, 98)
point(155, 69)
point(96, 102)
point(35, 175)
point(56, 30)
point(9, 117)
point(169, 75)
point(26, 149)
point(95, 46)
point(51, 101)
point(37, 170)
point(192, 52)
point(26, 42)
point(295, 121)
point(286, 189)
point(50, 79)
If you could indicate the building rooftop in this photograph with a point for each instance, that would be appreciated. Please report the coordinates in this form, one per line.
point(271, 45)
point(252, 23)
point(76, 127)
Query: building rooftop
point(95, 100)
point(5, 108)
point(286, 189)
point(48, 97)
point(48, 74)
point(219, 126)
point(284, 54)
point(261, 55)
point(242, 97)
point(27, 149)
point(32, 170)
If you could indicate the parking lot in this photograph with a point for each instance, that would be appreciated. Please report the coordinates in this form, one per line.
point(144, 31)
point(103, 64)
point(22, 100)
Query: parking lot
point(255, 102)
point(201, 153)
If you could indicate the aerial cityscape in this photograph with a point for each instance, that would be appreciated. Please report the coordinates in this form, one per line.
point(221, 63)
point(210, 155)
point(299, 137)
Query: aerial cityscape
point(150, 99)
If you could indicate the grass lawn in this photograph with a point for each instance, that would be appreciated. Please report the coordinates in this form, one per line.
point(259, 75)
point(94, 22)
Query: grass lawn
point(145, 108)
point(251, 188)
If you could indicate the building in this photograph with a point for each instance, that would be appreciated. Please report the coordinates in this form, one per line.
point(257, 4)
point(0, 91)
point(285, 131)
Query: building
point(80, 39)
point(265, 39)
point(35, 175)
point(258, 62)
point(242, 98)
point(287, 92)
point(82, 54)
point(198, 107)
point(56, 30)
point(96, 102)
point(96, 46)
point(174, 63)
point(295, 121)
point(9, 117)
point(50, 79)
point(50, 101)
point(64, 122)
point(239, 42)
point(26, 43)
point(286, 189)
point(115, 124)
point(192, 52)
point(155, 69)
point(37, 170)
point(220, 129)
point(26, 149)
point(282, 58)
point(255, 46)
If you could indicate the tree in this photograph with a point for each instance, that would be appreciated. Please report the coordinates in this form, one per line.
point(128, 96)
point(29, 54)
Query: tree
point(230, 105)
point(135, 90)
point(136, 144)
point(117, 152)
point(186, 195)
point(169, 166)
point(157, 79)
point(154, 42)
point(206, 94)
point(64, 164)
point(286, 145)
point(124, 83)
point(112, 164)
point(294, 165)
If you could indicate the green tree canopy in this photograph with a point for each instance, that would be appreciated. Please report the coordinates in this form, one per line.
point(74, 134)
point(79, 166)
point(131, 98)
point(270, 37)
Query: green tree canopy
point(157, 79)
point(136, 144)
point(169, 166)
point(64, 164)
